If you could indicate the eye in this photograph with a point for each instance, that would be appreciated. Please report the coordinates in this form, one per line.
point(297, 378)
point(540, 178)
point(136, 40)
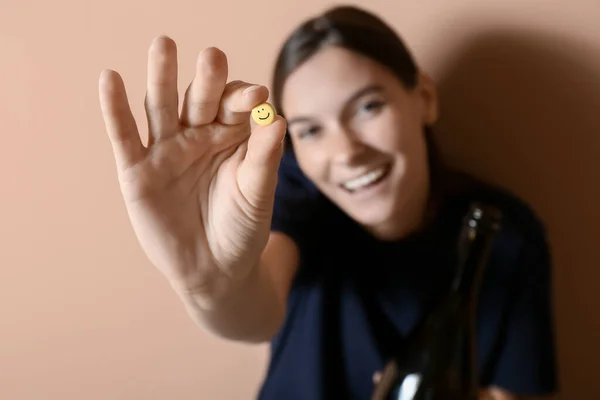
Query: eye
point(308, 132)
point(371, 107)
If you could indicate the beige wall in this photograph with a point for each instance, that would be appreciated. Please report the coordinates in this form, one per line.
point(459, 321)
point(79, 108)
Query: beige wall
point(83, 315)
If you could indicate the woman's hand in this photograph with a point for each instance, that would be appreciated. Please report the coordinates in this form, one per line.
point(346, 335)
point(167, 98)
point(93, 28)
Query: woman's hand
point(200, 194)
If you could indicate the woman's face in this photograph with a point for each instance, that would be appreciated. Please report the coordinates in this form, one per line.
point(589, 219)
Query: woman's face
point(358, 134)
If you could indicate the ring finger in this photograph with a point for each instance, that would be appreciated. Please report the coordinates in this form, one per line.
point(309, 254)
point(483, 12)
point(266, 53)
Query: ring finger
point(161, 92)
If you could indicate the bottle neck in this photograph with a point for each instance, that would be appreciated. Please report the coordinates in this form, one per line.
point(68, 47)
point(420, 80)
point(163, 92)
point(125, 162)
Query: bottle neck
point(479, 229)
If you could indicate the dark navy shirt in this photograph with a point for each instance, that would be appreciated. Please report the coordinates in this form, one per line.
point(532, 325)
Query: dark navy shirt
point(338, 259)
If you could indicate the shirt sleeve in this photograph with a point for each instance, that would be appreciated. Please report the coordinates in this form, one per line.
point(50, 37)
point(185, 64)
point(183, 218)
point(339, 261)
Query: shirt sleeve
point(527, 362)
point(298, 204)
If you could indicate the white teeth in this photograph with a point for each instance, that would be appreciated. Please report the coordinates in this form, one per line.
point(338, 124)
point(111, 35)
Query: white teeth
point(364, 180)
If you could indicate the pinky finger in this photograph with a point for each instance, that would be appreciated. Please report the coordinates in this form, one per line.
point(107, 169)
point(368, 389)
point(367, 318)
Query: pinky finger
point(119, 121)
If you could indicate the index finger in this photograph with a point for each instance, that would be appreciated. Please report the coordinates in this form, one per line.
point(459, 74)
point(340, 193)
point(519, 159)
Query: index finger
point(239, 98)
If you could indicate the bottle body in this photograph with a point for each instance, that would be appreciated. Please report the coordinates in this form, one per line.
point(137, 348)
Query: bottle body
point(440, 358)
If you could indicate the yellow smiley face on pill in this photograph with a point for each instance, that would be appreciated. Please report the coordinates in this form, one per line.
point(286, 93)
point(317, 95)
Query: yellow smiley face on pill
point(263, 114)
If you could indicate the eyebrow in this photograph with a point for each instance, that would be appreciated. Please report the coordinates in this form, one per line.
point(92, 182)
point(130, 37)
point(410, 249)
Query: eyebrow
point(355, 96)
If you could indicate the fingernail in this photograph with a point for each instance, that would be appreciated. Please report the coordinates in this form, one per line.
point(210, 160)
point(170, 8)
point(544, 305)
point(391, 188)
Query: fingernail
point(251, 89)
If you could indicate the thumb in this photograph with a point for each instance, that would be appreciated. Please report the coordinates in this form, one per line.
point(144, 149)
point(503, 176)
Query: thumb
point(257, 174)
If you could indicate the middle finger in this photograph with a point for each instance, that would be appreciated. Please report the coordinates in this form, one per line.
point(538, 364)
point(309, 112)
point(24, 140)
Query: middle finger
point(202, 98)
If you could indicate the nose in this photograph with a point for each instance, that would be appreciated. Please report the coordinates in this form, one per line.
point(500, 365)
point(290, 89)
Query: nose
point(346, 148)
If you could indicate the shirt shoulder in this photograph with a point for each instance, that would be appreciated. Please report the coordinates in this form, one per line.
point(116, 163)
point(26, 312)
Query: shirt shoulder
point(519, 221)
point(296, 199)
point(304, 214)
point(521, 250)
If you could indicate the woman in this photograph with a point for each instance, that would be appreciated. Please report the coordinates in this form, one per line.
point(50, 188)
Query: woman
point(274, 237)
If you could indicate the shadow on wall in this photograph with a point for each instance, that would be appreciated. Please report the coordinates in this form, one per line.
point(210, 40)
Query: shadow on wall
point(522, 109)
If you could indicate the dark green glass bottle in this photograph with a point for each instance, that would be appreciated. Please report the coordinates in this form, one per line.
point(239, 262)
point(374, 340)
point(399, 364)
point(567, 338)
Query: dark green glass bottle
point(440, 361)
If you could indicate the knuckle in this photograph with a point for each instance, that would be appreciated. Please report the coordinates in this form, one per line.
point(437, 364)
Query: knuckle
point(235, 87)
point(212, 63)
point(160, 111)
point(203, 106)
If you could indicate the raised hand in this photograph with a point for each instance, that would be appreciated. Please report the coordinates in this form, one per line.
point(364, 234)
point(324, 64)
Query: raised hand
point(200, 194)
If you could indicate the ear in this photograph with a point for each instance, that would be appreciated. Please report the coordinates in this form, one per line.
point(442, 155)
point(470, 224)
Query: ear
point(429, 98)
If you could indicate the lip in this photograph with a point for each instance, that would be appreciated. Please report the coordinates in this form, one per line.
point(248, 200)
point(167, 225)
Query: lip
point(373, 188)
point(386, 166)
point(262, 119)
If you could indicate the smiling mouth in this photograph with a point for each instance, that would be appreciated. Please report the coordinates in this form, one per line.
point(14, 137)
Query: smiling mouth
point(367, 180)
point(262, 119)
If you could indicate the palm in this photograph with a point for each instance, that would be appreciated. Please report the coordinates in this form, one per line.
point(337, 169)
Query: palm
point(198, 200)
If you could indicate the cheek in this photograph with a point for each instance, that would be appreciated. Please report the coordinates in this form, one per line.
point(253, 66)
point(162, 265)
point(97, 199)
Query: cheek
point(312, 162)
point(386, 132)
point(401, 132)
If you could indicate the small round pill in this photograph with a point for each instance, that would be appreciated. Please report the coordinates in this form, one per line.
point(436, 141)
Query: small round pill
point(263, 114)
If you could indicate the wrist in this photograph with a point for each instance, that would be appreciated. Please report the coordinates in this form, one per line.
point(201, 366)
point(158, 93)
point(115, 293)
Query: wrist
point(214, 290)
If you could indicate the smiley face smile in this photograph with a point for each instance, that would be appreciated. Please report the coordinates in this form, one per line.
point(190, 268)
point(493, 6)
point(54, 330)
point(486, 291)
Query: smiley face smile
point(263, 114)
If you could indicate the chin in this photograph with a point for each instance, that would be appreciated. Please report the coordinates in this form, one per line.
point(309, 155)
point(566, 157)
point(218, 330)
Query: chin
point(371, 216)
point(381, 214)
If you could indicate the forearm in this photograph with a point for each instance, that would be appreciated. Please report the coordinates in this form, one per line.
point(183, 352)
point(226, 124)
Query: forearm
point(247, 310)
